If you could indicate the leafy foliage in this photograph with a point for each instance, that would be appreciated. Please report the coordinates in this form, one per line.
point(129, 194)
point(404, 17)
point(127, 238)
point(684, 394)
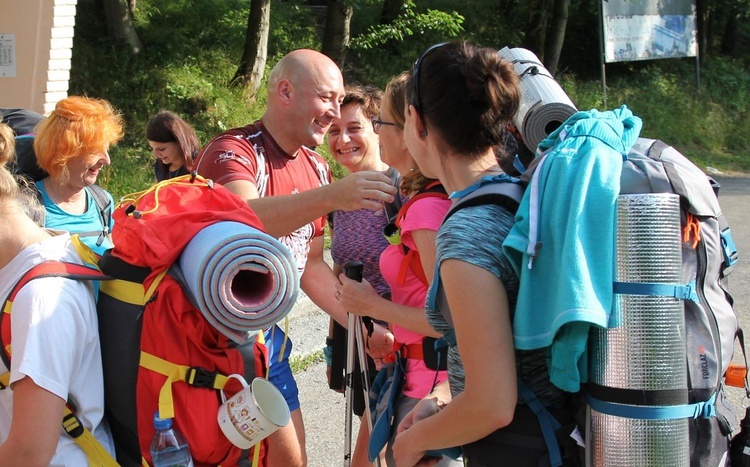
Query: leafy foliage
point(193, 47)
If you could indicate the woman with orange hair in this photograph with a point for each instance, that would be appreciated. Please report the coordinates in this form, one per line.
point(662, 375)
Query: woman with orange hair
point(55, 340)
point(71, 146)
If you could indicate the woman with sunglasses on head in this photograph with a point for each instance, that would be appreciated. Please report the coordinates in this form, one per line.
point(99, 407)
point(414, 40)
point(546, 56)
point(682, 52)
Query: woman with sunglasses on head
point(460, 99)
point(174, 144)
point(407, 264)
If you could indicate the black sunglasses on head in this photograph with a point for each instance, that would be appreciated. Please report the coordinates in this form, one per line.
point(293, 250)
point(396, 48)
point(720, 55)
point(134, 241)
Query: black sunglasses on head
point(415, 79)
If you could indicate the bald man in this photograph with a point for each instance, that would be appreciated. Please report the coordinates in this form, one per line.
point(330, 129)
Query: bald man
point(270, 165)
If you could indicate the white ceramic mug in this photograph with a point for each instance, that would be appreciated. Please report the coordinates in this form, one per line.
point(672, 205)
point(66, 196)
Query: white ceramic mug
point(253, 413)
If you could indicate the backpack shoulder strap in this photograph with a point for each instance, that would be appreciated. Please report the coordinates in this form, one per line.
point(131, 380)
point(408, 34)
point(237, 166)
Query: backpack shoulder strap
point(95, 452)
point(412, 259)
point(46, 269)
point(104, 206)
point(505, 194)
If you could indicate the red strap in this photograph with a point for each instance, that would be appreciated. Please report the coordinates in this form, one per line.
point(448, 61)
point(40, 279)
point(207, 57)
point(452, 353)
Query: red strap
point(411, 257)
point(409, 351)
point(41, 270)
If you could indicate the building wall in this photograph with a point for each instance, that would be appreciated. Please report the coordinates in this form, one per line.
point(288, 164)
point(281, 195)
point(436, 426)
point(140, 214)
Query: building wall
point(43, 39)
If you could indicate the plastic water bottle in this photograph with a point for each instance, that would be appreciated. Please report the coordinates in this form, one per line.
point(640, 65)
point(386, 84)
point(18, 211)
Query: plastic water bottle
point(169, 447)
point(739, 451)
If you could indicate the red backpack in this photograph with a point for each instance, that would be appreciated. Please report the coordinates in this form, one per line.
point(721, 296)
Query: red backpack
point(158, 350)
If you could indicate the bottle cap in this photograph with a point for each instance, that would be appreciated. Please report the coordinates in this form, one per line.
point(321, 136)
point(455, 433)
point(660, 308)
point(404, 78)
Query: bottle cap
point(735, 375)
point(162, 423)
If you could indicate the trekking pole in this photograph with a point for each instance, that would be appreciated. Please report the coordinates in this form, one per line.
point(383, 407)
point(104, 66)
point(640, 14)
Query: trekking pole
point(362, 354)
point(352, 270)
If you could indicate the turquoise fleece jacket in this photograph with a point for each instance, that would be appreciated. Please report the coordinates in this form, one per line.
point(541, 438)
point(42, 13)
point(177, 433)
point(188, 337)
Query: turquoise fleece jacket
point(562, 245)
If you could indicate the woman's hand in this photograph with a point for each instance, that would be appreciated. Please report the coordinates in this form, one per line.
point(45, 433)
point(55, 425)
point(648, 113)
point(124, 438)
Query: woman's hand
point(380, 344)
point(358, 298)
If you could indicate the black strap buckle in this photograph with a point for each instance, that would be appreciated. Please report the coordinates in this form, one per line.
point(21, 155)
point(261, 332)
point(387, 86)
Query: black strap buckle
point(72, 425)
point(200, 377)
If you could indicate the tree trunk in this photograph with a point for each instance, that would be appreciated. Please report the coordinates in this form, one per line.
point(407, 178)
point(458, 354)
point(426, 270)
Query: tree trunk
point(336, 34)
point(701, 14)
point(730, 39)
point(391, 10)
point(536, 28)
point(120, 24)
point(252, 66)
point(556, 35)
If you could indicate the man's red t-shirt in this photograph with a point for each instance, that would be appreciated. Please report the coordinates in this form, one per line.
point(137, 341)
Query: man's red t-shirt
point(250, 153)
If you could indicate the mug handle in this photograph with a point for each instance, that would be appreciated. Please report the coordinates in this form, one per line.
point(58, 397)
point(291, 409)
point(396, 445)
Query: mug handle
point(239, 378)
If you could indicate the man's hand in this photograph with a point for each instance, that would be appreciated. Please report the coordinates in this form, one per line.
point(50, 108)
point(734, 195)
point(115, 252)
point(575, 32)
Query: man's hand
point(365, 189)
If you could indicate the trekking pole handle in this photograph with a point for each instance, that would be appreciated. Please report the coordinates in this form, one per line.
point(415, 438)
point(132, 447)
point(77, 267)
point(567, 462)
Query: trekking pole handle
point(353, 270)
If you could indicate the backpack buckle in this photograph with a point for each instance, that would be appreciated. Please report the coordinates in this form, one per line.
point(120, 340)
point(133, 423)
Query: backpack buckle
point(200, 377)
point(72, 425)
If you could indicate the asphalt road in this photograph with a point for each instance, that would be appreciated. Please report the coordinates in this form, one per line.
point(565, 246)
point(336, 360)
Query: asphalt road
point(323, 409)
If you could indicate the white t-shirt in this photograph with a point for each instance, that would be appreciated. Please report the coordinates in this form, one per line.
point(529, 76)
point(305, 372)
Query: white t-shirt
point(55, 342)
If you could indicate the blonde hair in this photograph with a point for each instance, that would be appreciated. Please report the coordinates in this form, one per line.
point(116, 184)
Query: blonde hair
point(14, 187)
point(78, 126)
point(8, 185)
point(395, 95)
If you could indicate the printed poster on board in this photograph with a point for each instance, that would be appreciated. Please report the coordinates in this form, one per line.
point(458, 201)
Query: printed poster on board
point(648, 29)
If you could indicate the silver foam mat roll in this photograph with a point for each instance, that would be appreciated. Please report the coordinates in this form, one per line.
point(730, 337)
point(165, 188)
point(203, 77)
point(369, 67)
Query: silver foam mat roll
point(544, 104)
point(646, 351)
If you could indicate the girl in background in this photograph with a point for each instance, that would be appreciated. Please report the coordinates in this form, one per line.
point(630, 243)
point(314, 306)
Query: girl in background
point(174, 144)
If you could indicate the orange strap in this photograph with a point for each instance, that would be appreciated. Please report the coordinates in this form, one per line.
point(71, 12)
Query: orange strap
point(692, 229)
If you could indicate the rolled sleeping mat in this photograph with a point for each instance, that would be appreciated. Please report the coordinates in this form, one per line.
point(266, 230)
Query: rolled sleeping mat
point(243, 280)
point(544, 104)
point(645, 353)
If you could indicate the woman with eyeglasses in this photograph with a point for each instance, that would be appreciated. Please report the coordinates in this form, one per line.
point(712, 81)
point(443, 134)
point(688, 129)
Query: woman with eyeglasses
point(407, 265)
point(460, 99)
point(72, 146)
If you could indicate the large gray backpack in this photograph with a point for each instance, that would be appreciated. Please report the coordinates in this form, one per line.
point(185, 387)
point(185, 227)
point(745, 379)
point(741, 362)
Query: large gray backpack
point(711, 325)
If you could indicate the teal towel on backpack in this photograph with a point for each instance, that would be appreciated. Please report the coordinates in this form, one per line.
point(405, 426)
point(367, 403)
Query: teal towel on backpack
point(562, 245)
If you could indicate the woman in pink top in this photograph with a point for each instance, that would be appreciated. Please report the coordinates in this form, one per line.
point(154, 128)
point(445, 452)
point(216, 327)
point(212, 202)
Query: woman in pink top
point(408, 266)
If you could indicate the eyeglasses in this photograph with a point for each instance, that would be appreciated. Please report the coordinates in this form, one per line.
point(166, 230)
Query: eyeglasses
point(377, 123)
point(417, 95)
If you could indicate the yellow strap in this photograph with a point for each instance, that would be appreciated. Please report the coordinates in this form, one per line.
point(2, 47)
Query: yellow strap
point(87, 254)
point(286, 338)
point(173, 372)
point(256, 455)
point(95, 452)
point(125, 291)
point(5, 379)
point(134, 198)
point(153, 286)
